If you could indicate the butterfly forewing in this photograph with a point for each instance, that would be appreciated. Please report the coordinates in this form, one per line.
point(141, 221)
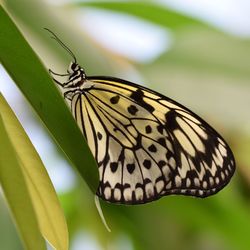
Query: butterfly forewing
point(147, 145)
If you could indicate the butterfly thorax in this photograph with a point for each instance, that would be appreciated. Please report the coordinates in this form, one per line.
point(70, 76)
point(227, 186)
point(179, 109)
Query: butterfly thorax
point(76, 81)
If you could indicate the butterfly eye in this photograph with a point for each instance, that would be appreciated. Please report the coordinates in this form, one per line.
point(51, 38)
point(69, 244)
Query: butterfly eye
point(73, 66)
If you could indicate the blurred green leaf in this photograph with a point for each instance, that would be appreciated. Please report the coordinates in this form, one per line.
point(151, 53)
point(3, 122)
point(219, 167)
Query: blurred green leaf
point(9, 236)
point(49, 213)
point(208, 50)
point(146, 10)
point(33, 80)
point(16, 192)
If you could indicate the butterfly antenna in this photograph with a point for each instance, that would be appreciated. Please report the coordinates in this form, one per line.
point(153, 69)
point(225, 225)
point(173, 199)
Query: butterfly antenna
point(62, 44)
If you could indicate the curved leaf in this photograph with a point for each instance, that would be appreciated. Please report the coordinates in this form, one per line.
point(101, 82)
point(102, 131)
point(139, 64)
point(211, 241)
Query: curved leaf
point(16, 192)
point(149, 11)
point(49, 213)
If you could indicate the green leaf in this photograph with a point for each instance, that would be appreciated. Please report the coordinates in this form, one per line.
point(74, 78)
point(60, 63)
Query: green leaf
point(49, 213)
point(32, 78)
point(16, 192)
point(146, 10)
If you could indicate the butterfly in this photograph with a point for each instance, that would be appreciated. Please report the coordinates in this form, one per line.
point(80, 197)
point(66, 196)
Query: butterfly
point(146, 145)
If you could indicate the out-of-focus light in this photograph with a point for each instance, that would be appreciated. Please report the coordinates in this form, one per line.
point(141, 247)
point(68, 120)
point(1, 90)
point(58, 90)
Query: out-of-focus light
point(121, 242)
point(85, 241)
point(126, 35)
point(231, 16)
point(61, 175)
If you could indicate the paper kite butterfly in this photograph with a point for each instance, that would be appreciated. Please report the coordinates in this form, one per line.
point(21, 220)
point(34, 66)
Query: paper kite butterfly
point(145, 144)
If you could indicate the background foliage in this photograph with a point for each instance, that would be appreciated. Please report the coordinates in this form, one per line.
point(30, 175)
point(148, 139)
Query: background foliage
point(204, 68)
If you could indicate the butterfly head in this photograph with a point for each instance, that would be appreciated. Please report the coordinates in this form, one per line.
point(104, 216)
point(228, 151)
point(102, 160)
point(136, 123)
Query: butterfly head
point(76, 74)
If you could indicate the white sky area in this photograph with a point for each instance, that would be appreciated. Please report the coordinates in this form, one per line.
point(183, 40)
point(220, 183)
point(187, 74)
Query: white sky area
point(128, 36)
point(84, 240)
point(232, 16)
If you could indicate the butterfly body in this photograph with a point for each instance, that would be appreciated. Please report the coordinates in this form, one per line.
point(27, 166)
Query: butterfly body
point(145, 144)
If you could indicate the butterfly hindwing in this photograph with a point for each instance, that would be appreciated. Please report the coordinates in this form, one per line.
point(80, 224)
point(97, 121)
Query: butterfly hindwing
point(147, 145)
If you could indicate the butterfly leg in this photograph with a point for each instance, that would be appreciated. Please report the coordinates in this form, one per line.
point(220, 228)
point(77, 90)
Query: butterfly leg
point(62, 84)
point(57, 74)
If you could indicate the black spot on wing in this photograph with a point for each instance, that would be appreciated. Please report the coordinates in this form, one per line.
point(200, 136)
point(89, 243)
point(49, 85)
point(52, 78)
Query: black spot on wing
point(161, 163)
point(152, 148)
point(171, 120)
point(169, 154)
point(162, 141)
point(137, 96)
point(131, 168)
point(99, 135)
point(115, 99)
point(132, 109)
point(113, 166)
point(147, 164)
point(148, 129)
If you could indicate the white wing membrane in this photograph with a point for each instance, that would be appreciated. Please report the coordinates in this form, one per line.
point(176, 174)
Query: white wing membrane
point(147, 145)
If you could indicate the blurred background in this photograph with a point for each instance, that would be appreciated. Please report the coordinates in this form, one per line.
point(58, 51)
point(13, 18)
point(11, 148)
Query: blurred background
point(195, 52)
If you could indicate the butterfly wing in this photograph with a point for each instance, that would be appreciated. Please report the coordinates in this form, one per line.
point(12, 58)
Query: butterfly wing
point(147, 145)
